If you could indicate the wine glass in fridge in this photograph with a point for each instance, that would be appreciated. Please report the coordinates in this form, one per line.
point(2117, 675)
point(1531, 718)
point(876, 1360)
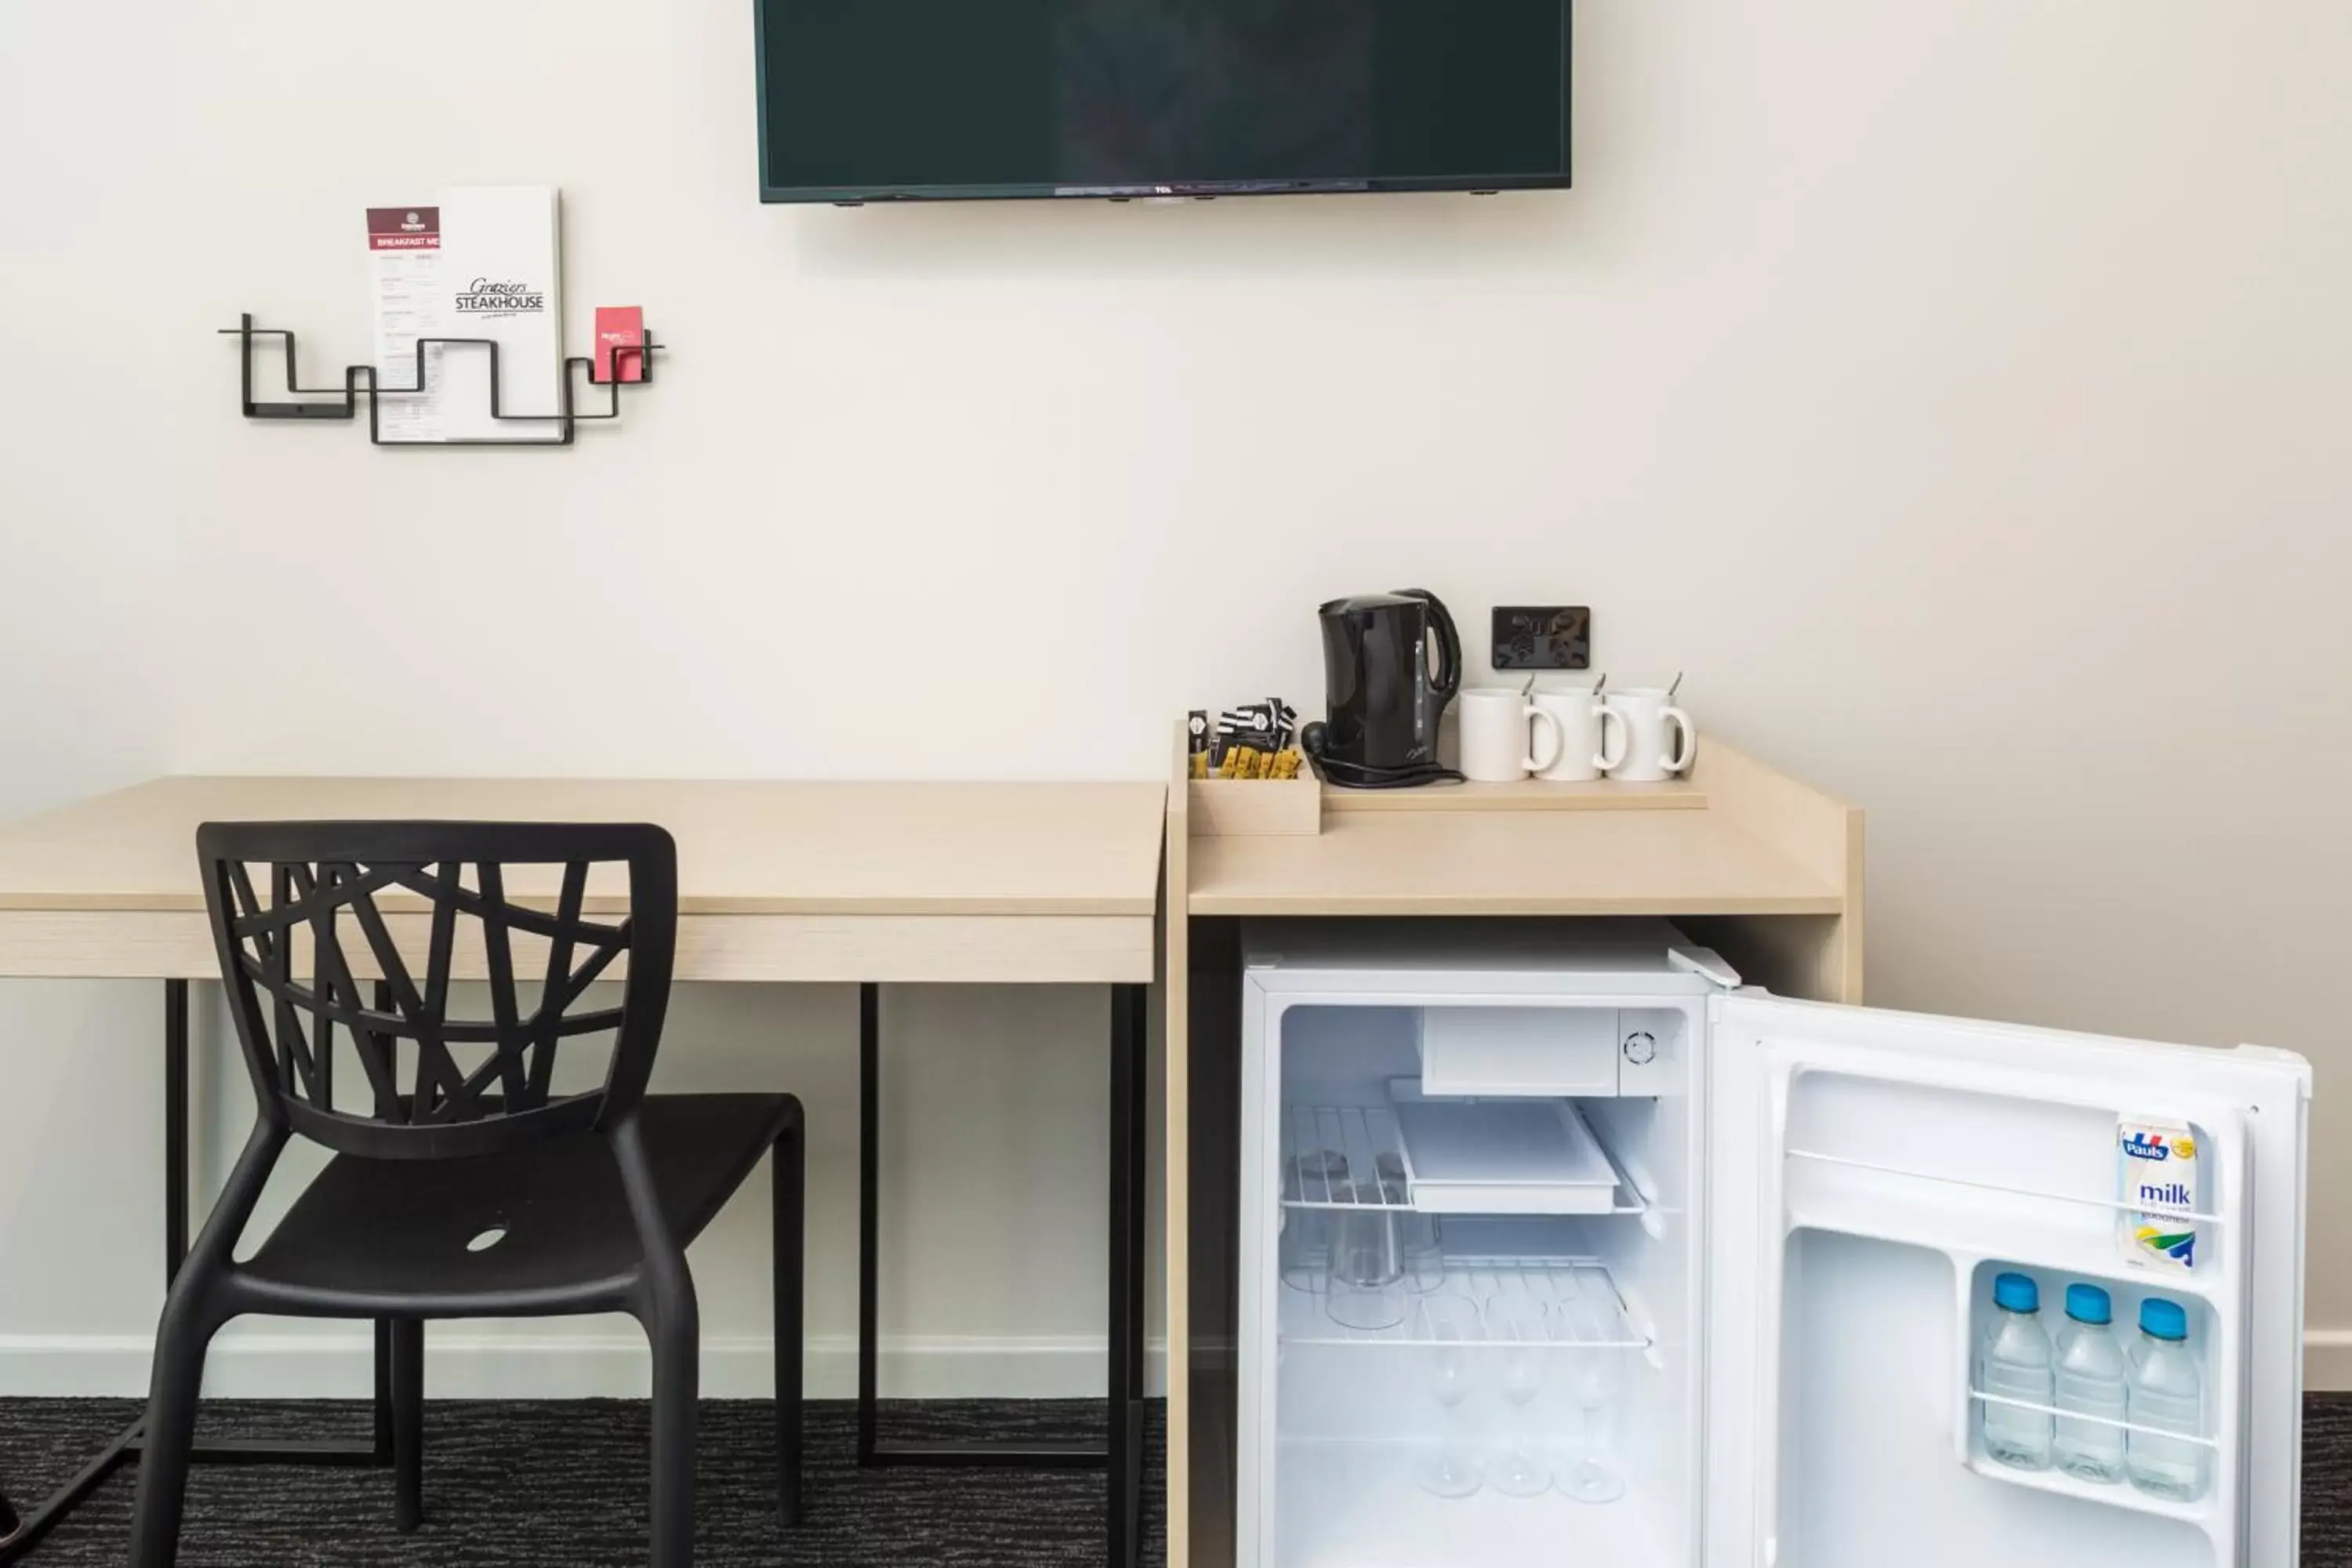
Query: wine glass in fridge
point(1591, 1320)
point(1448, 1326)
point(1520, 1326)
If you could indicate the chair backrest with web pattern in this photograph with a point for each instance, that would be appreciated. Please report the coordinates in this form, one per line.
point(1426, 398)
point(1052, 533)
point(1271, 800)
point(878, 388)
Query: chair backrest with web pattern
point(304, 914)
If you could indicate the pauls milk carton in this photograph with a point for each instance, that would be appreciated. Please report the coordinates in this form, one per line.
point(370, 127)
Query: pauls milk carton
point(2156, 1166)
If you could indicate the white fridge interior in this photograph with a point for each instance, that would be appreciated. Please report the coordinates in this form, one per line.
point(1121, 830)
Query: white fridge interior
point(1537, 1178)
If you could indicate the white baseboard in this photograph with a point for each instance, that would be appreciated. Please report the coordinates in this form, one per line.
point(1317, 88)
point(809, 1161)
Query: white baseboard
point(462, 1361)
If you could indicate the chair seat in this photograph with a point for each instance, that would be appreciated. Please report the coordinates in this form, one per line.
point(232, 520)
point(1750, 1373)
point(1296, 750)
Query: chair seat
point(385, 1228)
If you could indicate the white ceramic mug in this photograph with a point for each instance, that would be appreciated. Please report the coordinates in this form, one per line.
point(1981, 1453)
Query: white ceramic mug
point(1504, 735)
point(1587, 724)
point(1645, 713)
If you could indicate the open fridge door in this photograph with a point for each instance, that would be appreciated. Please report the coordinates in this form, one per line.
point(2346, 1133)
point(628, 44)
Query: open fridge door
point(1872, 1174)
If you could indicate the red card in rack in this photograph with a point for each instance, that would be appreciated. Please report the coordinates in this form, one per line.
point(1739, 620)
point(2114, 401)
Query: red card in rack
point(619, 329)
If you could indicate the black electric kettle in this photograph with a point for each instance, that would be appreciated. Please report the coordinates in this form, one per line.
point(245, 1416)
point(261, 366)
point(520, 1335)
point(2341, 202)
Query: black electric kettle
point(1383, 700)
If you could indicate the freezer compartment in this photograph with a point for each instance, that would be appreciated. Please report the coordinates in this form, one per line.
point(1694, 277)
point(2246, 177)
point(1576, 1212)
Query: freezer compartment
point(1551, 1052)
point(2127, 1293)
point(1568, 1048)
point(1359, 1126)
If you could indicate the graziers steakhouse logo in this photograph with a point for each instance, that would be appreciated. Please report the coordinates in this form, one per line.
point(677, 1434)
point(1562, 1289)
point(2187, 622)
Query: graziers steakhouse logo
point(490, 297)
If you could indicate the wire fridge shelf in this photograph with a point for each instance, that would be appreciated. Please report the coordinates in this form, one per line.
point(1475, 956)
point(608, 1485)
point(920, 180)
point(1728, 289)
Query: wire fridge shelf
point(1580, 1304)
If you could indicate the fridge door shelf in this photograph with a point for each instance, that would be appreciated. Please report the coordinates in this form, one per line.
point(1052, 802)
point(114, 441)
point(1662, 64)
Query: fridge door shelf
point(2112, 1205)
point(2127, 1288)
point(2041, 1228)
point(2117, 1494)
point(1979, 1396)
point(1583, 1307)
point(1458, 1157)
point(2122, 1494)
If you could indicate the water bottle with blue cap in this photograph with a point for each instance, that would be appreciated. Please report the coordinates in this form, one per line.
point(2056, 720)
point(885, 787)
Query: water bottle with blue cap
point(2015, 1365)
point(2093, 1380)
point(2167, 1396)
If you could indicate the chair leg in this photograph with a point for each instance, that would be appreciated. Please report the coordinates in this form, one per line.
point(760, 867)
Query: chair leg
point(382, 1391)
point(407, 1424)
point(790, 1161)
point(673, 1328)
point(174, 1388)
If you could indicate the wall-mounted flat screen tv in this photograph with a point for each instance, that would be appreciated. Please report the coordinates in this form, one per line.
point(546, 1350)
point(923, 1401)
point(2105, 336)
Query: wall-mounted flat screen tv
point(869, 101)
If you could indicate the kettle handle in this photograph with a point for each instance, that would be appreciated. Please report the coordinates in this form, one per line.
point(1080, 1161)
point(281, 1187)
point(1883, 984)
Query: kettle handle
point(1447, 678)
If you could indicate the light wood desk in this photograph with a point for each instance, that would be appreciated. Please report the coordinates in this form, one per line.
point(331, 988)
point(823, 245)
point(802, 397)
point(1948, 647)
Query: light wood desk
point(1762, 869)
point(870, 883)
point(1054, 883)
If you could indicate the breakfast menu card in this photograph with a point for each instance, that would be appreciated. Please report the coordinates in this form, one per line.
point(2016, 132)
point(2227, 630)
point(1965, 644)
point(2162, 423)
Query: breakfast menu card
point(479, 266)
point(405, 288)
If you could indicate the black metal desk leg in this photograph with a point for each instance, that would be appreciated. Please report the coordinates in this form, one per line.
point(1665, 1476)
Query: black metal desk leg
point(175, 1128)
point(1130, 1223)
point(1126, 1269)
point(869, 1199)
point(1122, 1455)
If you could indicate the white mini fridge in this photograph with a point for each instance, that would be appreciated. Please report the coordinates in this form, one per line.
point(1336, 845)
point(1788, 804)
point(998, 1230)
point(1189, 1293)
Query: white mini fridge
point(1558, 1248)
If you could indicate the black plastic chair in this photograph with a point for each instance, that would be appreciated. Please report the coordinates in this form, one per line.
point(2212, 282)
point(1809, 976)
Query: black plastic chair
point(468, 1187)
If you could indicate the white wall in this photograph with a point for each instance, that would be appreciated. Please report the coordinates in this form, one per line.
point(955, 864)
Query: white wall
point(1955, 390)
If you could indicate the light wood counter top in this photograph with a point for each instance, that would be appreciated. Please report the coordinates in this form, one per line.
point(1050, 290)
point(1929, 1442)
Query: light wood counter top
point(1735, 838)
point(776, 880)
point(1507, 863)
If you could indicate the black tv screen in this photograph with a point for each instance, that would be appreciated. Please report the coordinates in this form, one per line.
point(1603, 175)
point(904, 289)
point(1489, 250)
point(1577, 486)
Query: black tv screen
point(911, 100)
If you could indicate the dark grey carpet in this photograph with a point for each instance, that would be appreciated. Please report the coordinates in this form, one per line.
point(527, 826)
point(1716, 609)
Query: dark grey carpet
point(541, 1485)
point(2327, 1480)
point(527, 1485)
